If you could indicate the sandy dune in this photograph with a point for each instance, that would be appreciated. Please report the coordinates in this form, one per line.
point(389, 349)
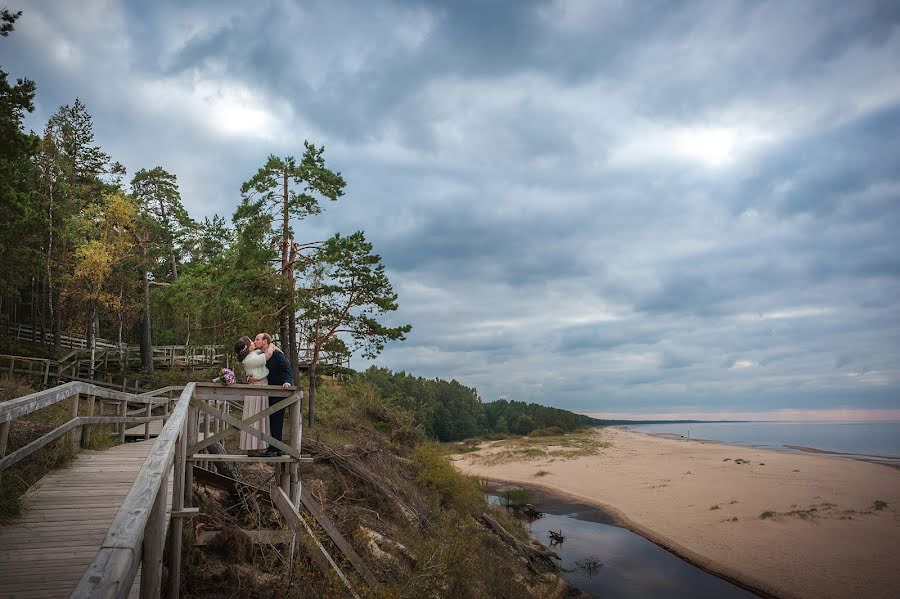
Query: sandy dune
point(826, 540)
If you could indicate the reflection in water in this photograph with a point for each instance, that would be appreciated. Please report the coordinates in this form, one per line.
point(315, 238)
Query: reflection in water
point(609, 561)
point(589, 565)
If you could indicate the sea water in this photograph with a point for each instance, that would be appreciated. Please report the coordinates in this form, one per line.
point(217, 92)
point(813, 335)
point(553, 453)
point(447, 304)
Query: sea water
point(863, 438)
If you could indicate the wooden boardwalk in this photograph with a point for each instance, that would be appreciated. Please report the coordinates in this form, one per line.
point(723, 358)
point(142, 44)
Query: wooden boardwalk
point(45, 551)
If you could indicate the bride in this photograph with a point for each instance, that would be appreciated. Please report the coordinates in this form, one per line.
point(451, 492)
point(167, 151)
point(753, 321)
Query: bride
point(254, 362)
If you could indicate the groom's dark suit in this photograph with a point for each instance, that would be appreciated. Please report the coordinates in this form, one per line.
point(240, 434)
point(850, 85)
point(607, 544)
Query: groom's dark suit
point(279, 374)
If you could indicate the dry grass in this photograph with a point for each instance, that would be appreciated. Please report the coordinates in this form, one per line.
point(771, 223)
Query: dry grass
point(17, 479)
point(560, 447)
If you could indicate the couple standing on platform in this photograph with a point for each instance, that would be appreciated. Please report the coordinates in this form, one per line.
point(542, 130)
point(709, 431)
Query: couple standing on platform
point(265, 364)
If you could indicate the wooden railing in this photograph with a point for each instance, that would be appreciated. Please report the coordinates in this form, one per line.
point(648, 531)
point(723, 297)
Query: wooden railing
point(108, 351)
point(77, 427)
point(163, 355)
point(68, 368)
point(137, 534)
point(26, 332)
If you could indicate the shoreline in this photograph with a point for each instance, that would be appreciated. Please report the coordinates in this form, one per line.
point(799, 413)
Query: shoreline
point(869, 458)
point(616, 517)
point(779, 524)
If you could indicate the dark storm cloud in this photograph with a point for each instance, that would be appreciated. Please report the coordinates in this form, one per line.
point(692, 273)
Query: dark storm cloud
point(599, 205)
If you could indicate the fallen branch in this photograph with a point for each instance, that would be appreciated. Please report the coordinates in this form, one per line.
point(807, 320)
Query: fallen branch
point(361, 469)
point(533, 554)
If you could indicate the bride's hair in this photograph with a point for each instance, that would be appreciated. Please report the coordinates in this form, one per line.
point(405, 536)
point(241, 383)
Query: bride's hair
point(242, 348)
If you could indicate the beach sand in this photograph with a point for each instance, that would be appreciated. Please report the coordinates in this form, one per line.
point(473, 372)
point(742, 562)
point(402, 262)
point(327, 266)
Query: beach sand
point(826, 539)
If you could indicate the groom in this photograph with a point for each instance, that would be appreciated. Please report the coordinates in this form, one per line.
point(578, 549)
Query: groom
point(279, 374)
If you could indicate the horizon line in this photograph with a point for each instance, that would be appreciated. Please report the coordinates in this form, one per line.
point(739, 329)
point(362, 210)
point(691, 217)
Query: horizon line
point(782, 415)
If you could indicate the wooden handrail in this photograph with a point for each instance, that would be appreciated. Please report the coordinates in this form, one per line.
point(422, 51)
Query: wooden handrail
point(112, 572)
point(14, 408)
point(32, 402)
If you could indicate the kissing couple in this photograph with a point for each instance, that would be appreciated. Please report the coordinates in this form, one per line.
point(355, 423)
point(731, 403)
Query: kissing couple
point(265, 364)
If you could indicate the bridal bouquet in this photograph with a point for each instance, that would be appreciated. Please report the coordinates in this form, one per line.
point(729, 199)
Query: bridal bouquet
point(226, 377)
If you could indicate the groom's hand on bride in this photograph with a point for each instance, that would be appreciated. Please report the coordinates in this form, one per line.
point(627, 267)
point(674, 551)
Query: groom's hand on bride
point(287, 385)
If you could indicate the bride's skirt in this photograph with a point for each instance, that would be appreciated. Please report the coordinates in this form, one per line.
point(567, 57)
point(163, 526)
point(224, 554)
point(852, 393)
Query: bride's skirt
point(253, 404)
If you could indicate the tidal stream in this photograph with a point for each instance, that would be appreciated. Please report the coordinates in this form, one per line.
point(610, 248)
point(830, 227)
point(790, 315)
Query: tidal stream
point(606, 560)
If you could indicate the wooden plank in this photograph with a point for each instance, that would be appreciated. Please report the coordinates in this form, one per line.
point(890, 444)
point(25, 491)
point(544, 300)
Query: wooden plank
point(26, 451)
point(26, 404)
point(295, 520)
point(325, 522)
point(153, 545)
point(213, 457)
point(230, 432)
point(249, 430)
point(232, 391)
point(61, 534)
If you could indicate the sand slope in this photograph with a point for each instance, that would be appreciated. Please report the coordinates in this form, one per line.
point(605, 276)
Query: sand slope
point(826, 540)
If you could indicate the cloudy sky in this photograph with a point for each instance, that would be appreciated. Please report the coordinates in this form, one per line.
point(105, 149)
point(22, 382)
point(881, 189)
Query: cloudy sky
point(606, 206)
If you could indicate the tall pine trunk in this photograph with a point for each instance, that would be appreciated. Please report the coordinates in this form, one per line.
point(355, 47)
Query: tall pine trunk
point(146, 339)
point(311, 373)
point(288, 295)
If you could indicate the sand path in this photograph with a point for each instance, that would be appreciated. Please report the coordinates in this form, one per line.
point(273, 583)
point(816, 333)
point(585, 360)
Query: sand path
point(825, 541)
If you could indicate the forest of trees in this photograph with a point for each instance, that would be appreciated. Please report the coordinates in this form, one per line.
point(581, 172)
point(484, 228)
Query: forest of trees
point(89, 250)
point(450, 411)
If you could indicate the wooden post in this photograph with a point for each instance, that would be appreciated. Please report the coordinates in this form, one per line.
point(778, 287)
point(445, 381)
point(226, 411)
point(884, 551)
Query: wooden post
point(147, 425)
point(46, 372)
point(4, 437)
point(154, 543)
point(86, 430)
point(75, 435)
point(123, 410)
point(206, 431)
point(296, 438)
point(285, 478)
point(191, 435)
point(178, 492)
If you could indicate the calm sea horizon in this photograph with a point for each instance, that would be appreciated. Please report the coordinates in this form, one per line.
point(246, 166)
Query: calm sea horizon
point(864, 438)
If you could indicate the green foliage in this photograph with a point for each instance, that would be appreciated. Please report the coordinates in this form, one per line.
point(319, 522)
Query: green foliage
point(547, 431)
point(515, 497)
point(450, 411)
point(20, 220)
point(7, 21)
point(460, 559)
point(350, 289)
point(453, 489)
point(168, 225)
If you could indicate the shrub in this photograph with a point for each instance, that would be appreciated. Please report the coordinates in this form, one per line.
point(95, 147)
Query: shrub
point(515, 497)
point(547, 431)
point(453, 489)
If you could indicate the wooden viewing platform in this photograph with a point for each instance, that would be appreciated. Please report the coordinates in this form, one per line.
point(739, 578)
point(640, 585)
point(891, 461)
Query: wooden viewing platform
point(98, 527)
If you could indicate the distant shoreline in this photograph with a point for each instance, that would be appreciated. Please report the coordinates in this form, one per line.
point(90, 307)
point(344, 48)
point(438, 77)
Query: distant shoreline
point(869, 458)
